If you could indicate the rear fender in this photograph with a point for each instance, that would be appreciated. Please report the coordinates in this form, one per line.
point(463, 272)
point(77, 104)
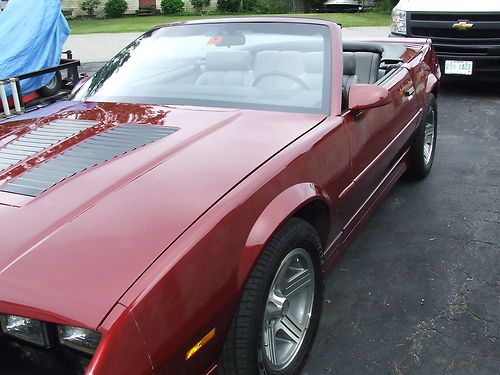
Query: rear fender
point(432, 84)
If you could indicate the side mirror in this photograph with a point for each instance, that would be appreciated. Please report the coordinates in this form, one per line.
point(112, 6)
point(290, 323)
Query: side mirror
point(363, 96)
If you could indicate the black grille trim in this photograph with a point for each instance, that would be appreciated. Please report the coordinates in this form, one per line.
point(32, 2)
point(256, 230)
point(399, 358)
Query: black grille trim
point(485, 30)
point(40, 139)
point(453, 17)
point(89, 153)
point(477, 34)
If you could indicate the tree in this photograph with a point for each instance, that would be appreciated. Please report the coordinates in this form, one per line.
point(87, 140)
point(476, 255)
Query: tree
point(89, 6)
point(199, 4)
point(229, 6)
point(386, 5)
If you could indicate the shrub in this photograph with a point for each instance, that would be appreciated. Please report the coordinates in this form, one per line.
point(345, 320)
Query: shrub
point(172, 7)
point(385, 6)
point(115, 8)
point(199, 4)
point(278, 6)
point(256, 6)
point(89, 6)
point(229, 6)
point(251, 5)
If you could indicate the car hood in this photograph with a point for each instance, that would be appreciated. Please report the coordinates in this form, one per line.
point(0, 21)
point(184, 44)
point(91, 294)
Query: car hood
point(452, 6)
point(70, 251)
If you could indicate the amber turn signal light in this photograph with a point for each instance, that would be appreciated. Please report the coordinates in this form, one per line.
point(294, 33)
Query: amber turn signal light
point(209, 336)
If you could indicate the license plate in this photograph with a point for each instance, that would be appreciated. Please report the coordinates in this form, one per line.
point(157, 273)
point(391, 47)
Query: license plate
point(458, 67)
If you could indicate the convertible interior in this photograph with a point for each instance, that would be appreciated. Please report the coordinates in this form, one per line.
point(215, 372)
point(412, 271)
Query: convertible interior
point(293, 71)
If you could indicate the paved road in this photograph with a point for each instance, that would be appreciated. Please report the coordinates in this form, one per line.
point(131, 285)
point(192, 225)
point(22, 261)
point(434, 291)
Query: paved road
point(418, 292)
point(102, 47)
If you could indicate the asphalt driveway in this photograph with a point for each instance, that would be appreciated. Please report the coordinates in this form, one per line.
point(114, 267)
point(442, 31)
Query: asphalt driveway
point(418, 292)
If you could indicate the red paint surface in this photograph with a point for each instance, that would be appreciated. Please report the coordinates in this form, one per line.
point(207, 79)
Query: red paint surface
point(153, 248)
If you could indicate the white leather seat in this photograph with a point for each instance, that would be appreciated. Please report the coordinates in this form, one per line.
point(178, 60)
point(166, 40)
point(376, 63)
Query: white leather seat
point(227, 68)
point(313, 76)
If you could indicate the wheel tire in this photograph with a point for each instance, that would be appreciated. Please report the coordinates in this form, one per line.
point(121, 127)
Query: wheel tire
point(424, 142)
point(244, 352)
point(52, 87)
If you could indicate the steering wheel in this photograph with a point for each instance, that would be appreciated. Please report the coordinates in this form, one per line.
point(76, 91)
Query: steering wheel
point(283, 74)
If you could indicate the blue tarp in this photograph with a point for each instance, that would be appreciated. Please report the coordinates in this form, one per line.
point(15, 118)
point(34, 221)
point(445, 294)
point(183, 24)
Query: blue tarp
point(32, 35)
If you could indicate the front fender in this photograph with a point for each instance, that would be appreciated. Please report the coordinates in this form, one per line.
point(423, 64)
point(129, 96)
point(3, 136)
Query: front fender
point(277, 212)
point(122, 349)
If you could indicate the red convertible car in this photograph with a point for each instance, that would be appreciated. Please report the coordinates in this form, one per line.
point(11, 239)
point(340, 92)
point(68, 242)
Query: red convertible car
point(178, 213)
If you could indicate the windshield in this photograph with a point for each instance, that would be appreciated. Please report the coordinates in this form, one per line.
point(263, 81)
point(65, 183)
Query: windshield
point(269, 66)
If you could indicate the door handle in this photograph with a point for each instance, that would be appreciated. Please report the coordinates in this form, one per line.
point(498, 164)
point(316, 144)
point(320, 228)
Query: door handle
point(409, 91)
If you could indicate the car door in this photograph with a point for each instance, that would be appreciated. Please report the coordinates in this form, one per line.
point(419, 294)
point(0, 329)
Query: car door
point(377, 139)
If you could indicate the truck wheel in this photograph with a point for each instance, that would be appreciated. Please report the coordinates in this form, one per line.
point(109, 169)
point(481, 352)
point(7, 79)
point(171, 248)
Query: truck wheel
point(52, 87)
point(278, 315)
point(424, 143)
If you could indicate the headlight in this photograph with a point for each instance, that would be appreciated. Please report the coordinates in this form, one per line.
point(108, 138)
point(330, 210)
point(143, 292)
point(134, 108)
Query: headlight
point(398, 25)
point(26, 329)
point(81, 339)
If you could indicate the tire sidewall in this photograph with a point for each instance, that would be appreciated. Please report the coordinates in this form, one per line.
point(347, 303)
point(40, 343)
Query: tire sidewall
point(309, 241)
point(432, 105)
point(418, 167)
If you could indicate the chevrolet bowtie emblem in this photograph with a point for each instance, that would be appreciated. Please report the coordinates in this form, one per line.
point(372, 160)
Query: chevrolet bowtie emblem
point(462, 25)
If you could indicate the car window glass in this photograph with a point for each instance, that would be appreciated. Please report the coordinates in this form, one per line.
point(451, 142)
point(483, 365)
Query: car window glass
point(270, 66)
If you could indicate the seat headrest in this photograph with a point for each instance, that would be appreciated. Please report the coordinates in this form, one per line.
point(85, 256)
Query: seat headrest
point(314, 62)
point(349, 63)
point(228, 60)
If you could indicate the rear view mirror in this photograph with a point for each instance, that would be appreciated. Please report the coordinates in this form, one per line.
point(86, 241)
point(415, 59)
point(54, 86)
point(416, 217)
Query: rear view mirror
point(231, 40)
point(363, 96)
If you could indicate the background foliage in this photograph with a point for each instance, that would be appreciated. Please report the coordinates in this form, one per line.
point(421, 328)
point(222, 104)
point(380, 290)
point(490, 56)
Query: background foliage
point(386, 6)
point(89, 6)
point(115, 8)
point(172, 7)
point(199, 4)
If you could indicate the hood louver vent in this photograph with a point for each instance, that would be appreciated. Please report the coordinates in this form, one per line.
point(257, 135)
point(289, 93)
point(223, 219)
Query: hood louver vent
point(89, 153)
point(40, 139)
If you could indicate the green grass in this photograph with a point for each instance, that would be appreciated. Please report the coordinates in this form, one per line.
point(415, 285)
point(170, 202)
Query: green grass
point(140, 24)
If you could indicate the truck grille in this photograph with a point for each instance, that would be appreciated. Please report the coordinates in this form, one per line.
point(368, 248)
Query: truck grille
point(453, 17)
point(482, 40)
point(454, 34)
